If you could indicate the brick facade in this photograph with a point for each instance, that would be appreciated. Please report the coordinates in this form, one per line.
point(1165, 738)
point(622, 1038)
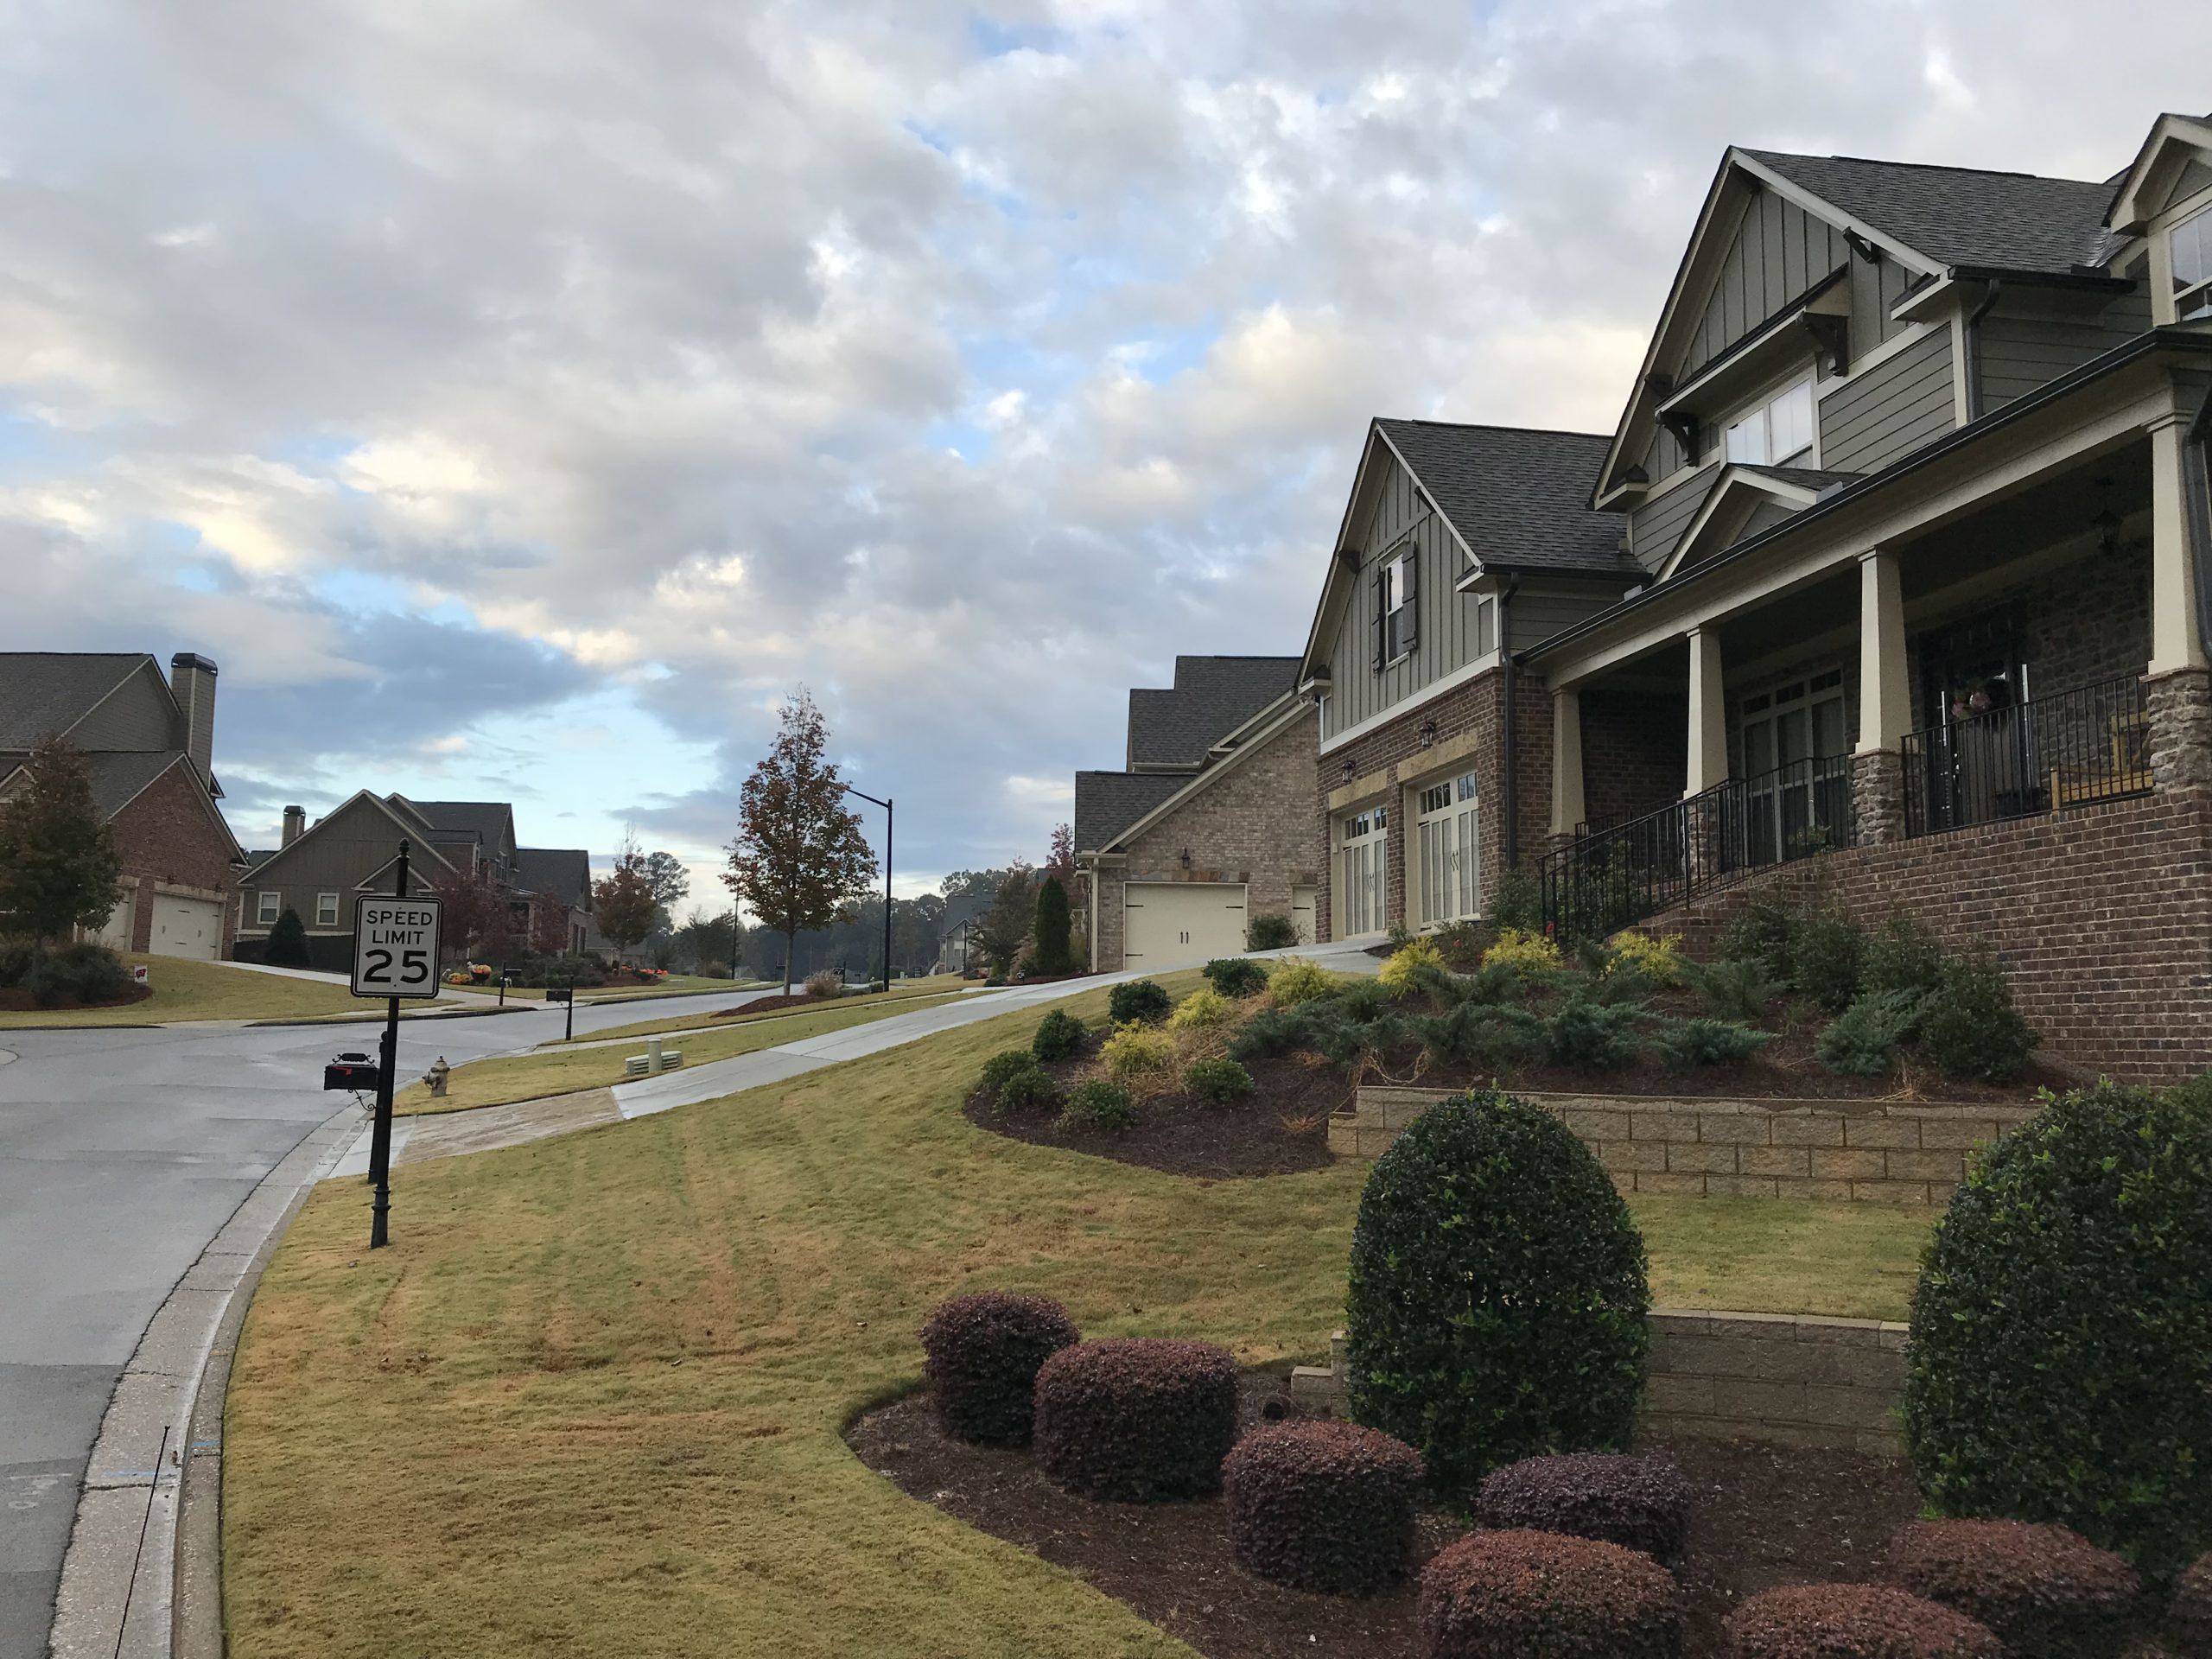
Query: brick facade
point(168, 841)
point(1634, 752)
point(1256, 823)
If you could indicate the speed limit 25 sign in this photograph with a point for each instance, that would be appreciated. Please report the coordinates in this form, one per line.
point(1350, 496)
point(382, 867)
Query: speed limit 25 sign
point(395, 947)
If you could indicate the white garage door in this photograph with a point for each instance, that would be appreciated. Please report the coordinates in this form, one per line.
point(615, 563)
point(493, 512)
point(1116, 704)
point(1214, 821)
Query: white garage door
point(1170, 922)
point(1301, 913)
point(114, 934)
point(187, 927)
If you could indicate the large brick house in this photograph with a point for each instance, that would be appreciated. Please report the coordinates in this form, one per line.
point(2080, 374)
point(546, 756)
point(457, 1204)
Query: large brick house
point(149, 745)
point(1892, 575)
point(1208, 822)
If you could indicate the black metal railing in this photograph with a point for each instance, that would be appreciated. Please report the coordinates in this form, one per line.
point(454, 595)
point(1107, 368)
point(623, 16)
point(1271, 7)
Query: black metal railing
point(1616, 877)
point(2074, 747)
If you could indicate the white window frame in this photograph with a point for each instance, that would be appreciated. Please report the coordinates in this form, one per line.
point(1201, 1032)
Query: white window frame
point(268, 906)
point(1757, 423)
point(1396, 603)
point(2192, 294)
point(1445, 847)
point(329, 901)
point(1363, 886)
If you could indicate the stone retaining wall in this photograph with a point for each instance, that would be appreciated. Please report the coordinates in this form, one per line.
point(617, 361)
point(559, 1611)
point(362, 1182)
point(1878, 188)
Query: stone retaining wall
point(1688, 1146)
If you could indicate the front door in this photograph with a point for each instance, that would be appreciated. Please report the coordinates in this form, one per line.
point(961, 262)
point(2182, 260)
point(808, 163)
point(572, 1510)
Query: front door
point(1447, 835)
point(1363, 867)
point(1796, 787)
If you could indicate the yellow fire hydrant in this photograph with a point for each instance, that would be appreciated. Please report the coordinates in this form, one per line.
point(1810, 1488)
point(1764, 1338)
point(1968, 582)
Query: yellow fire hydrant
point(435, 1077)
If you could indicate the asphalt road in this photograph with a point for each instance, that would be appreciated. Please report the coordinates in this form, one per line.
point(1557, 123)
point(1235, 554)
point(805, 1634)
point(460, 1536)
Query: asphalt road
point(121, 1154)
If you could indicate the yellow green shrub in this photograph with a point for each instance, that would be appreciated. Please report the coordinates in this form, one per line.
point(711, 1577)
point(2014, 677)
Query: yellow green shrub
point(1296, 979)
point(1516, 948)
point(1136, 1049)
point(1411, 967)
point(1658, 957)
point(1202, 1010)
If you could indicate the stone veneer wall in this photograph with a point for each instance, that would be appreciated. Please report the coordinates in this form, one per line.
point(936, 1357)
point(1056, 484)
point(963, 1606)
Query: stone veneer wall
point(1697, 1147)
point(1786, 1379)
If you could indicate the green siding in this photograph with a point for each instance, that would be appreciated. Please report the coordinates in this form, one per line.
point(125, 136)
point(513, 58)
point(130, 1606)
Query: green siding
point(1779, 252)
point(2021, 351)
point(1656, 526)
point(1885, 412)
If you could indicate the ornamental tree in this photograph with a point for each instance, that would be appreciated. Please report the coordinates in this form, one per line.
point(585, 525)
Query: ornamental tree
point(59, 868)
point(624, 900)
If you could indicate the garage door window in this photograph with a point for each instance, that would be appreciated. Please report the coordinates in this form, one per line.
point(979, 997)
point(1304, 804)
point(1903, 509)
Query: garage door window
point(1364, 863)
point(1449, 833)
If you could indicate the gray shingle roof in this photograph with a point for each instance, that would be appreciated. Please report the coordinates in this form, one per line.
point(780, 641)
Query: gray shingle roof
point(1213, 697)
point(481, 821)
point(1107, 803)
point(42, 692)
point(562, 873)
point(1518, 498)
point(118, 777)
point(1961, 215)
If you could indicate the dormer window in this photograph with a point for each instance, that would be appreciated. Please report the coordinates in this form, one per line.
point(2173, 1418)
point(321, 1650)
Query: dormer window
point(2192, 257)
point(1779, 430)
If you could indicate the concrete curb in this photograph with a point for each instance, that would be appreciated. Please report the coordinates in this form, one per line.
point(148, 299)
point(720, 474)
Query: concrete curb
point(142, 1576)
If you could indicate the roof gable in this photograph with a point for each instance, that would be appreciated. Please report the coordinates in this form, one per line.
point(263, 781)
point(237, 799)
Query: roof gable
point(1211, 697)
point(1738, 493)
point(47, 693)
point(2145, 190)
point(367, 801)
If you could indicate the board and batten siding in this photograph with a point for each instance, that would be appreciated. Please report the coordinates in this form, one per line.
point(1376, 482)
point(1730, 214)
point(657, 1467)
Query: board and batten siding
point(2023, 351)
point(1448, 621)
point(1778, 252)
point(345, 850)
point(1887, 411)
point(1659, 524)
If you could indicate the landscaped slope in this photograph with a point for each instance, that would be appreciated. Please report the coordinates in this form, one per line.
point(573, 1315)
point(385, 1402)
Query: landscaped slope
point(590, 1400)
point(207, 990)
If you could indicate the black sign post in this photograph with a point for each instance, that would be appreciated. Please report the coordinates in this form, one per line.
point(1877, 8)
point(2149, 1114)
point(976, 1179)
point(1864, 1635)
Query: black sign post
point(380, 1136)
point(395, 957)
point(565, 993)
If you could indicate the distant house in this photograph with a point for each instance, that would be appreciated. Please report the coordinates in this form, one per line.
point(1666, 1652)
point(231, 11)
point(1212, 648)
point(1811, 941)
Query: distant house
point(956, 944)
point(148, 743)
point(322, 869)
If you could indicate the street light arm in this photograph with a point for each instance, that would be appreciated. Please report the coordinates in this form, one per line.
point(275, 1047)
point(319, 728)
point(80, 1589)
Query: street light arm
point(864, 795)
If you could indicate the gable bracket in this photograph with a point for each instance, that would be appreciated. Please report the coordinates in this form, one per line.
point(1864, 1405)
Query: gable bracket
point(1683, 425)
point(1864, 249)
point(1833, 335)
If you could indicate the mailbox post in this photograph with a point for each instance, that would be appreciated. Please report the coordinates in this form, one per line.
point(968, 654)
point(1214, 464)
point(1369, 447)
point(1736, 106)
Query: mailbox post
point(395, 957)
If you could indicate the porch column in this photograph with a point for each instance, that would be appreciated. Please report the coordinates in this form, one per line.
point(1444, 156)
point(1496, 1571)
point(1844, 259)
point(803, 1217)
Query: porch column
point(2178, 690)
point(1708, 715)
point(1885, 700)
point(1566, 765)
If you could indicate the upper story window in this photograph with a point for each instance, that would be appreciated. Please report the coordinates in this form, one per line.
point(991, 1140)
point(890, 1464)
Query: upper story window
point(1778, 430)
point(326, 909)
point(269, 905)
point(2192, 253)
point(1397, 605)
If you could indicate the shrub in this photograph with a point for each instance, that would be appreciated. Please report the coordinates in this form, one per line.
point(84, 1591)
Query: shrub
point(1864, 1039)
point(1504, 981)
point(1271, 1031)
point(822, 982)
point(1321, 1506)
point(1734, 988)
point(1497, 1296)
point(1270, 931)
point(1657, 957)
point(2193, 1095)
point(1138, 1001)
point(1055, 954)
point(1059, 1034)
point(1361, 1001)
point(1825, 946)
point(1517, 902)
point(1687, 1044)
point(1593, 1037)
point(2062, 1329)
point(1503, 1595)
point(1972, 1032)
point(1641, 1504)
point(1296, 979)
point(1217, 1080)
point(1006, 1062)
point(1202, 1010)
point(1516, 949)
point(575, 972)
point(1236, 977)
point(981, 1355)
point(1099, 1104)
point(2045, 1592)
point(1852, 1621)
point(1133, 1050)
point(1461, 943)
point(1411, 970)
point(1901, 956)
point(1031, 1089)
point(2191, 1615)
point(75, 972)
point(17, 957)
point(1495, 1039)
point(287, 944)
point(1759, 933)
point(1136, 1419)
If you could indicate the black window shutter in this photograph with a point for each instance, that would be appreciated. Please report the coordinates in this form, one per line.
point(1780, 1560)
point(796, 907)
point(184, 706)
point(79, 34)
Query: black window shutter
point(1382, 623)
point(1409, 627)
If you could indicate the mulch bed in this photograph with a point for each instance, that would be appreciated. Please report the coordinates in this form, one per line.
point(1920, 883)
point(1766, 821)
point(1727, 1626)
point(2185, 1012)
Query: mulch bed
point(13, 1000)
point(1765, 1516)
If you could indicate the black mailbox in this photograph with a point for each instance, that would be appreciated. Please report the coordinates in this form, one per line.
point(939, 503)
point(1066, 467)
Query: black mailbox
point(558, 993)
point(350, 1071)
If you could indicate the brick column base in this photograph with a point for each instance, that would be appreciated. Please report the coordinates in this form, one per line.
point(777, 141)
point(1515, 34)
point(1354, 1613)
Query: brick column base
point(1558, 843)
point(2180, 706)
point(1878, 798)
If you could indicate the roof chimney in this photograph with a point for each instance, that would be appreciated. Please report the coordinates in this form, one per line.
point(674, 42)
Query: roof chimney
point(192, 682)
point(296, 821)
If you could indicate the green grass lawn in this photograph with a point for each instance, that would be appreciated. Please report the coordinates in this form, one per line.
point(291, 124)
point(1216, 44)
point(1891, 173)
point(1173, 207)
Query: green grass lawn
point(206, 990)
point(560, 1069)
point(590, 1400)
point(675, 985)
point(926, 990)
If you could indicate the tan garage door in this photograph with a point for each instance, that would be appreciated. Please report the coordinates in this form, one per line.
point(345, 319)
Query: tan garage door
point(1168, 923)
point(187, 927)
point(1301, 912)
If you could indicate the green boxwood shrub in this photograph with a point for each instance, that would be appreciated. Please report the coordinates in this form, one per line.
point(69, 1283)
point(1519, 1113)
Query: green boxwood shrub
point(1497, 1295)
point(980, 1357)
point(1099, 1104)
point(1236, 977)
point(2062, 1330)
point(1688, 1043)
point(1863, 1040)
point(1142, 1001)
point(1006, 1062)
point(1030, 1090)
point(1059, 1034)
point(1826, 947)
point(1270, 931)
point(73, 974)
point(1971, 1029)
point(1218, 1079)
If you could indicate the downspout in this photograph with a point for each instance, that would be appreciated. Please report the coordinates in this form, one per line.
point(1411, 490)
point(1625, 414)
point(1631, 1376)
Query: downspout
point(1509, 727)
point(1982, 307)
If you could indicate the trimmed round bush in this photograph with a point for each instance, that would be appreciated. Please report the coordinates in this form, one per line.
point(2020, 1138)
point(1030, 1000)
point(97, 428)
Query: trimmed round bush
point(1322, 1505)
point(2190, 1616)
point(1853, 1621)
point(1640, 1504)
point(1218, 1079)
point(1236, 977)
point(1202, 1010)
point(981, 1355)
point(1296, 979)
point(2062, 1330)
point(1100, 1103)
point(1059, 1034)
point(1542, 1595)
point(1006, 1062)
point(1497, 1302)
point(1030, 1090)
point(2044, 1592)
point(1138, 1419)
point(1270, 931)
point(1137, 1000)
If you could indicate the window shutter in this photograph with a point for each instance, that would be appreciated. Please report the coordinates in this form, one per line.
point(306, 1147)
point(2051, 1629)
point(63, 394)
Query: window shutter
point(1410, 630)
point(1381, 621)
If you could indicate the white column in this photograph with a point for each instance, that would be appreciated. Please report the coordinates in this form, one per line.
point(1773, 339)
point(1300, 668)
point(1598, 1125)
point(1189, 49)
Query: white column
point(1708, 714)
point(1566, 760)
point(2175, 640)
point(1884, 692)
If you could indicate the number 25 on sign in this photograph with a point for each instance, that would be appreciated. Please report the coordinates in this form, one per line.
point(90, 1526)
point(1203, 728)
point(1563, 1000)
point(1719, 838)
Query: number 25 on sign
point(395, 947)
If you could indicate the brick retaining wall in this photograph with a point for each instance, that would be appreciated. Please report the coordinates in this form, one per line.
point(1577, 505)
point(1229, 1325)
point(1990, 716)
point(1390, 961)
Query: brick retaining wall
point(1688, 1145)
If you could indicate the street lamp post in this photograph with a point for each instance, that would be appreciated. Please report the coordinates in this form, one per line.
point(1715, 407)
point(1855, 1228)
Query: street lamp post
point(886, 805)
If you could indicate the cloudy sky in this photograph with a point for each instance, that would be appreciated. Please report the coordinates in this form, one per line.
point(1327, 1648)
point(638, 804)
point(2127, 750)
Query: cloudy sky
point(518, 401)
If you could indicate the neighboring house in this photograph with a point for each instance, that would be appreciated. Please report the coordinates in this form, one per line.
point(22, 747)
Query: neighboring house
point(957, 947)
point(323, 868)
point(147, 744)
point(1909, 535)
point(1211, 822)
